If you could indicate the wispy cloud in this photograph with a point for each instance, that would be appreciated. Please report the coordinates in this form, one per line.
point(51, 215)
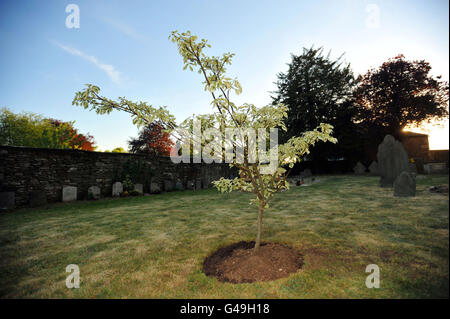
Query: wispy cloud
point(109, 69)
point(125, 29)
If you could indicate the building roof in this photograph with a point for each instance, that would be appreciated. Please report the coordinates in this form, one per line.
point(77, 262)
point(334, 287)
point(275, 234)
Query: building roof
point(413, 134)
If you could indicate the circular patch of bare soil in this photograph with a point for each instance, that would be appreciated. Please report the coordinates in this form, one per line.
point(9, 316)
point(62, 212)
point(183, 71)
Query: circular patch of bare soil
point(237, 263)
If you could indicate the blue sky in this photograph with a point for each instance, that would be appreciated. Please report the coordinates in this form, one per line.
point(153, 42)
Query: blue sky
point(123, 47)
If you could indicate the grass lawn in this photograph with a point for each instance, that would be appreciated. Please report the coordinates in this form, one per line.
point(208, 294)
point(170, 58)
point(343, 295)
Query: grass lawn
point(154, 246)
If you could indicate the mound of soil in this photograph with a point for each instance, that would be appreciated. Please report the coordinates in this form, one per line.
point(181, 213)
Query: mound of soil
point(237, 263)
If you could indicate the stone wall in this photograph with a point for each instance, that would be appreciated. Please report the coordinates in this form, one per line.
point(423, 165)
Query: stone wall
point(37, 172)
point(438, 156)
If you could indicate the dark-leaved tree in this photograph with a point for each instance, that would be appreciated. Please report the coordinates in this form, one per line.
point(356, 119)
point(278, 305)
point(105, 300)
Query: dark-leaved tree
point(318, 89)
point(152, 139)
point(398, 93)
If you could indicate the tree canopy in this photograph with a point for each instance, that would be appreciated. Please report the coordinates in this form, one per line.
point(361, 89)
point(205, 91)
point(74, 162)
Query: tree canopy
point(318, 89)
point(398, 93)
point(152, 139)
point(33, 130)
point(255, 176)
point(118, 150)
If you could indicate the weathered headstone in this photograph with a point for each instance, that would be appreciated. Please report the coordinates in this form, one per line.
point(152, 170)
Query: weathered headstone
point(139, 188)
point(373, 169)
point(392, 160)
point(413, 168)
point(7, 200)
point(155, 188)
point(306, 173)
point(94, 192)
point(37, 198)
point(405, 185)
point(359, 169)
point(168, 185)
point(69, 193)
point(190, 185)
point(198, 184)
point(117, 189)
point(179, 186)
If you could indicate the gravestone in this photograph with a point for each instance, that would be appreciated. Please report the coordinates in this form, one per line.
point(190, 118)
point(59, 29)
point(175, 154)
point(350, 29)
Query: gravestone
point(94, 192)
point(168, 185)
point(190, 185)
point(392, 160)
point(117, 189)
point(69, 193)
point(155, 188)
point(37, 198)
point(306, 173)
point(413, 168)
point(179, 186)
point(405, 185)
point(359, 169)
point(139, 188)
point(7, 200)
point(373, 169)
point(198, 184)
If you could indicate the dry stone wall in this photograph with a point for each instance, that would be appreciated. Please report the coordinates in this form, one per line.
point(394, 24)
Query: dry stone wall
point(37, 175)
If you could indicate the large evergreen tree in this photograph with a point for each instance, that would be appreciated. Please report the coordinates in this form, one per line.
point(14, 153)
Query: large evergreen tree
point(318, 89)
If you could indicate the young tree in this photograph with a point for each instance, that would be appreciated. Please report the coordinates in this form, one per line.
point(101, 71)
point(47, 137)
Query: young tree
point(255, 176)
point(398, 93)
point(152, 139)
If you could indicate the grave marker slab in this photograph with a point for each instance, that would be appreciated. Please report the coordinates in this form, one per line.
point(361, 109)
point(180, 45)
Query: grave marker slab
point(117, 189)
point(37, 198)
point(405, 185)
point(94, 192)
point(359, 169)
point(7, 200)
point(392, 160)
point(69, 193)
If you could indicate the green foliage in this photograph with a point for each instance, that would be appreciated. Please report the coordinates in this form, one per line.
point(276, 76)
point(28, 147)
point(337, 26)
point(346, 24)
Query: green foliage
point(226, 114)
point(26, 129)
point(33, 130)
point(319, 89)
point(398, 93)
point(244, 116)
point(127, 184)
point(118, 150)
point(141, 112)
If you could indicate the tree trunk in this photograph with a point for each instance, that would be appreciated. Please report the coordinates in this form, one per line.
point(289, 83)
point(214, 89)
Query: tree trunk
point(258, 234)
